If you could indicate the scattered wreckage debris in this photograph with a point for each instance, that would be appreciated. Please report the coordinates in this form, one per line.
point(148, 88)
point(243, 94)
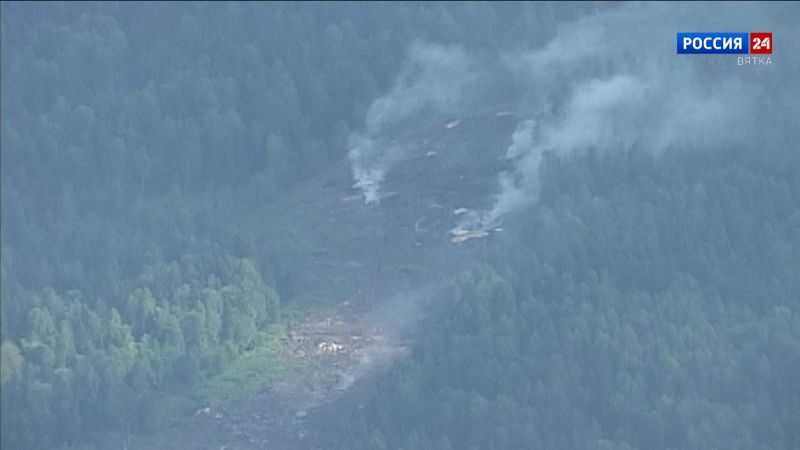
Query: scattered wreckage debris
point(371, 192)
point(317, 375)
point(369, 189)
point(469, 235)
point(452, 124)
point(461, 235)
point(361, 184)
point(208, 412)
point(505, 113)
point(330, 347)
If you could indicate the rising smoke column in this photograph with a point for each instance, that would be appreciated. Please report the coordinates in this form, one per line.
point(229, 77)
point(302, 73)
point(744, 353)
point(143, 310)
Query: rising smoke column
point(433, 77)
point(611, 81)
point(516, 190)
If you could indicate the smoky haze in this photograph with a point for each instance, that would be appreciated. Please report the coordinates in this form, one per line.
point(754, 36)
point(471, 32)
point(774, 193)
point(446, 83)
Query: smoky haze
point(433, 77)
point(609, 81)
point(612, 82)
point(453, 225)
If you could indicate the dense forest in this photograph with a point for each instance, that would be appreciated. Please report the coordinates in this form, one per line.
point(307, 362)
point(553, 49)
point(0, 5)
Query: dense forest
point(131, 134)
point(643, 303)
point(644, 306)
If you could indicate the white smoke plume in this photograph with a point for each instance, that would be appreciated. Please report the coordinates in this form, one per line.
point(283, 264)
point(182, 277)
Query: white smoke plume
point(609, 81)
point(433, 78)
point(613, 81)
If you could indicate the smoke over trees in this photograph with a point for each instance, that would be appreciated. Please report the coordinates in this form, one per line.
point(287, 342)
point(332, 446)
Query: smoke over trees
point(605, 82)
point(643, 293)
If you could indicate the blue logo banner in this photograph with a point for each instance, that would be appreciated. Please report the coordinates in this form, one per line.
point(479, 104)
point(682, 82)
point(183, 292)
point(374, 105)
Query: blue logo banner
point(713, 43)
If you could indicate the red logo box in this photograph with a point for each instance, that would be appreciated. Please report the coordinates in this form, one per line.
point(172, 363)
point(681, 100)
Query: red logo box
point(761, 43)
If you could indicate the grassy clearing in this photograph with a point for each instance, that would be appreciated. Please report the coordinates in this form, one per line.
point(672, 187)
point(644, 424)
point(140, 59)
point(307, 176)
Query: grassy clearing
point(249, 372)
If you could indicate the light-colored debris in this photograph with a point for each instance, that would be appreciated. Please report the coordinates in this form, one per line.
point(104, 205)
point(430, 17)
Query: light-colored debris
point(452, 124)
point(373, 195)
point(504, 113)
point(461, 238)
point(461, 235)
point(364, 183)
point(458, 231)
point(204, 411)
point(498, 229)
point(330, 347)
point(460, 211)
point(431, 153)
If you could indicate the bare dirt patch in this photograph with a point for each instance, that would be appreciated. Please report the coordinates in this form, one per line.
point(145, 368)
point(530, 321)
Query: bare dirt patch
point(340, 248)
point(330, 349)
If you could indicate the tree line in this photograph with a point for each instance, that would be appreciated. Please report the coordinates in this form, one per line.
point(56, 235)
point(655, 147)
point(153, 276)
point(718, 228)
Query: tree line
point(641, 304)
point(132, 138)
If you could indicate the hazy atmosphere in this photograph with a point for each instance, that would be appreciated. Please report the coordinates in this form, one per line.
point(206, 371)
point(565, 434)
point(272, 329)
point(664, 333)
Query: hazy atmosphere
point(332, 225)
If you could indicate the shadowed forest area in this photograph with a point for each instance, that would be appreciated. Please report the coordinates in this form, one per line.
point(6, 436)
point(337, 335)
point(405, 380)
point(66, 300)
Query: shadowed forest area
point(639, 313)
point(177, 194)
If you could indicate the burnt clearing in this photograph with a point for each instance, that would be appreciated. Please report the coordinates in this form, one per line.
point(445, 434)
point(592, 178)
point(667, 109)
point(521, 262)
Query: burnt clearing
point(356, 259)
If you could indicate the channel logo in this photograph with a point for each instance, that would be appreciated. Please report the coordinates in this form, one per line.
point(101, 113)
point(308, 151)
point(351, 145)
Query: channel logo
point(725, 43)
point(761, 43)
